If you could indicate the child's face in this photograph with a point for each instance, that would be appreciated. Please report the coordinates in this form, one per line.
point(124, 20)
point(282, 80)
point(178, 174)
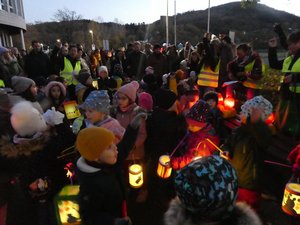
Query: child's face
point(109, 155)
point(212, 103)
point(55, 92)
point(122, 100)
point(94, 116)
point(103, 74)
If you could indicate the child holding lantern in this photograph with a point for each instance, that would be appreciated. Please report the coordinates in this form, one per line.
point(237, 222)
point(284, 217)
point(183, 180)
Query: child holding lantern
point(56, 95)
point(102, 190)
point(201, 133)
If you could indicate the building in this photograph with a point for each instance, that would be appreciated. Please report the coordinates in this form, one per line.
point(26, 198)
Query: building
point(12, 22)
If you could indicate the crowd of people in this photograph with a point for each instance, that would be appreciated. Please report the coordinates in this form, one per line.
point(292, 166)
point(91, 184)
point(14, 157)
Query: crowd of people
point(138, 104)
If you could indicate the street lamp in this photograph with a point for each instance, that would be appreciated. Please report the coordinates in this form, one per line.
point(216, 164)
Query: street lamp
point(208, 16)
point(92, 35)
point(175, 32)
point(167, 24)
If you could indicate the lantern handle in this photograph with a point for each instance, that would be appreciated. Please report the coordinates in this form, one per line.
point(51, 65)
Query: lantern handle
point(179, 144)
point(213, 144)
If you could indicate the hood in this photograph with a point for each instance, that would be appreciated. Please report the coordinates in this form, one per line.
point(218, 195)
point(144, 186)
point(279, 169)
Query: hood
point(25, 147)
point(241, 215)
point(84, 167)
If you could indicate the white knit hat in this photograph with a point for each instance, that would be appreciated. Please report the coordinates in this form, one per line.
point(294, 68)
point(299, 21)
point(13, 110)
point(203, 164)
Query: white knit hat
point(26, 120)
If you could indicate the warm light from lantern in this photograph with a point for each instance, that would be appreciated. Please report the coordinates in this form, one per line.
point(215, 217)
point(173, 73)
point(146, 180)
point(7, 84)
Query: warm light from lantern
point(95, 84)
point(196, 158)
point(270, 119)
point(135, 175)
point(229, 102)
point(164, 168)
point(220, 98)
point(291, 199)
point(71, 110)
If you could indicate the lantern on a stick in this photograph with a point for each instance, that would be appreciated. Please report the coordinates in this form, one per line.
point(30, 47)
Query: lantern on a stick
point(71, 110)
point(164, 168)
point(135, 175)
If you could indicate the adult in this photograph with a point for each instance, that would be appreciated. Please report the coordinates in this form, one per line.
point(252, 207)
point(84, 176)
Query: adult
point(136, 62)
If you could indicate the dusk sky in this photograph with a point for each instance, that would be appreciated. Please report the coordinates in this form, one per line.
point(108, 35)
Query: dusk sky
point(131, 11)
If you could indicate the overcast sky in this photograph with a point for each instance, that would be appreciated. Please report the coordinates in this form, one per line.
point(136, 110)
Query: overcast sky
point(131, 11)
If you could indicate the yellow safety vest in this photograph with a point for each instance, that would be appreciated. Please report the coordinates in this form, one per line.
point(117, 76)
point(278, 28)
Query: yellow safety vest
point(2, 83)
point(294, 87)
point(208, 77)
point(250, 83)
point(68, 72)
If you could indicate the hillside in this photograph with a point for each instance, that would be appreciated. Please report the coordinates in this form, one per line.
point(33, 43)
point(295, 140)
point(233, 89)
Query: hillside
point(249, 24)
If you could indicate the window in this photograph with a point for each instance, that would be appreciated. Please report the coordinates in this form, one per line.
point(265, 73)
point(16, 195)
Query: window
point(2, 5)
point(11, 6)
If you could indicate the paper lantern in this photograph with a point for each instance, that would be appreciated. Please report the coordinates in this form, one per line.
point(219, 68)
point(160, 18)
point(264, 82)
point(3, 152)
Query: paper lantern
point(71, 110)
point(164, 168)
point(135, 175)
point(291, 199)
point(95, 84)
point(229, 102)
point(270, 119)
point(220, 98)
point(67, 207)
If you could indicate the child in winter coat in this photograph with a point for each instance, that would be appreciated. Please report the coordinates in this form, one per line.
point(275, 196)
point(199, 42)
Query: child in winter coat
point(102, 190)
point(189, 95)
point(247, 145)
point(206, 192)
point(199, 131)
point(96, 107)
point(56, 94)
point(85, 85)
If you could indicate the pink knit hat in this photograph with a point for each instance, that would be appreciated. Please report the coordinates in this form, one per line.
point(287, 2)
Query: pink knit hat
point(145, 101)
point(129, 90)
point(52, 84)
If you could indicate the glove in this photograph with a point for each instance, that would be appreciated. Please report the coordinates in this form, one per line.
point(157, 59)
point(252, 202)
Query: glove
point(294, 157)
point(136, 121)
point(123, 221)
point(53, 117)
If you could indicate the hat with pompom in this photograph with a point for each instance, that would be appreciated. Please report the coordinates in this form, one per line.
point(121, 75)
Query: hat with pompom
point(26, 120)
point(208, 188)
point(129, 90)
point(97, 100)
point(92, 141)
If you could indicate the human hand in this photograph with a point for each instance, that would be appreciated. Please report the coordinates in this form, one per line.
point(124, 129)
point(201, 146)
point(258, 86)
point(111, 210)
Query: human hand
point(273, 42)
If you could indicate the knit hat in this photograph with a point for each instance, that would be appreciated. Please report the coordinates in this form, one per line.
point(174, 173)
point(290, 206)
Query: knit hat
point(92, 141)
point(146, 101)
point(26, 120)
point(130, 90)
point(149, 70)
point(179, 74)
point(103, 68)
point(52, 84)
point(83, 76)
point(97, 100)
point(21, 84)
point(257, 101)
point(208, 188)
point(211, 95)
point(3, 50)
point(199, 113)
point(164, 98)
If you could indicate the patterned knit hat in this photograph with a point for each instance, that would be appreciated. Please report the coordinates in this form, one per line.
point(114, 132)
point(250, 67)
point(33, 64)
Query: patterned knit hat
point(208, 187)
point(199, 113)
point(258, 101)
point(97, 100)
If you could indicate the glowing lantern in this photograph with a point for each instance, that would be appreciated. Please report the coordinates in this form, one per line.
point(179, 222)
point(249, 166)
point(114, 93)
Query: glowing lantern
point(229, 102)
point(164, 168)
point(95, 84)
point(135, 175)
point(220, 98)
point(291, 199)
point(67, 207)
point(71, 110)
point(270, 119)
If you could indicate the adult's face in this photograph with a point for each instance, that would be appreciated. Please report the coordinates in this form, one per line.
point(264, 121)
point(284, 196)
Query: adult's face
point(36, 47)
point(73, 52)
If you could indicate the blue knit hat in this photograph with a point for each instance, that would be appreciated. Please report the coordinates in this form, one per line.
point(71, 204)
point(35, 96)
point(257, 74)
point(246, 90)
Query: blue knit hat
point(97, 100)
point(208, 187)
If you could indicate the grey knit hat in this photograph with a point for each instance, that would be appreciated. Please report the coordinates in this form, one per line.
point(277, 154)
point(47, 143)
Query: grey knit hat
point(97, 100)
point(21, 84)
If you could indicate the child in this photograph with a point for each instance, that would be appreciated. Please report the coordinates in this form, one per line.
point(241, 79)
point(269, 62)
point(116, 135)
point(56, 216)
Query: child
point(85, 85)
point(215, 114)
point(247, 145)
point(102, 191)
point(199, 130)
point(145, 102)
point(189, 95)
point(56, 94)
point(97, 106)
point(206, 192)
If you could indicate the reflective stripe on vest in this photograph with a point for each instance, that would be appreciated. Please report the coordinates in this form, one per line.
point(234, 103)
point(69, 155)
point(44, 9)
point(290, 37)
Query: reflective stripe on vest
point(68, 72)
point(2, 83)
point(294, 87)
point(208, 77)
point(250, 83)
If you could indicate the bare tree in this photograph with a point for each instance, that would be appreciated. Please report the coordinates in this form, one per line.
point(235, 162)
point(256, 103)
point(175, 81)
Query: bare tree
point(249, 3)
point(66, 15)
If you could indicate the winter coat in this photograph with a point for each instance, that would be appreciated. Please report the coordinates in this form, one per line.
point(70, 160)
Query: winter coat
point(136, 64)
point(248, 144)
point(197, 145)
point(9, 69)
point(102, 189)
point(28, 160)
point(37, 64)
point(158, 62)
point(241, 215)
